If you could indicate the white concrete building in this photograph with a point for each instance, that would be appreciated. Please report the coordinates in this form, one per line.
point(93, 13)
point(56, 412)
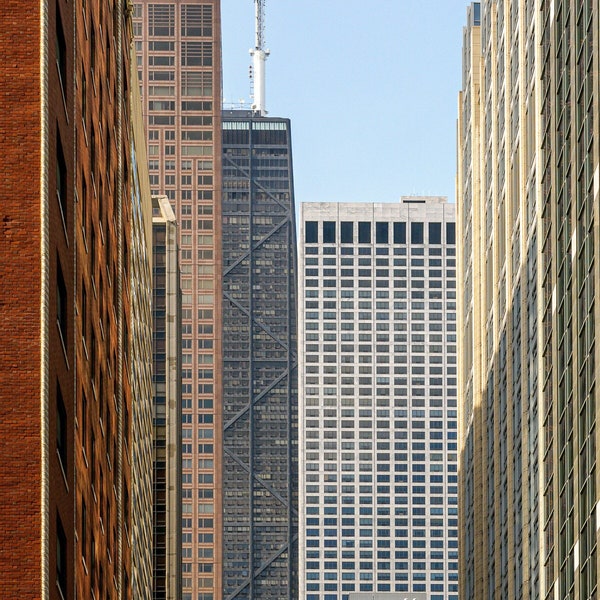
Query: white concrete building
point(377, 400)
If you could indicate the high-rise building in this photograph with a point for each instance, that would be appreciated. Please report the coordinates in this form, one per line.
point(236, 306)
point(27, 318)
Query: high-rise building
point(166, 307)
point(378, 401)
point(140, 364)
point(528, 184)
point(260, 432)
point(178, 44)
point(71, 256)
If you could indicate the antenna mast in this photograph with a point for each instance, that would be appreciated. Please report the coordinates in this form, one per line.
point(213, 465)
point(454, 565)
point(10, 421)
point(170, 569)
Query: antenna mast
point(259, 55)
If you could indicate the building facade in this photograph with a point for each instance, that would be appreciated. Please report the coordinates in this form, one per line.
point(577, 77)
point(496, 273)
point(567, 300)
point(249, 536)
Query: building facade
point(140, 364)
point(178, 44)
point(68, 273)
point(378, 401)
point(260, 430)
point(166, 307)
point(528, 222)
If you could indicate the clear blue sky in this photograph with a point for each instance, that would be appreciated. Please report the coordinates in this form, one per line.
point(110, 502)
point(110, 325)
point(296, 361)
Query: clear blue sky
point(371, 89)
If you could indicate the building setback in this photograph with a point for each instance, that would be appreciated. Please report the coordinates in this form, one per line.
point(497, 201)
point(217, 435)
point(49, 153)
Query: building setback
point(178, 44)
point(378, 401)
point(528, 185)
point(260, 431)
point(166, 307)
point(68, 268)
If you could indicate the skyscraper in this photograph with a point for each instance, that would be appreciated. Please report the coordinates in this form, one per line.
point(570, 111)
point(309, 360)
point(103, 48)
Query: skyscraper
point(71, 256)
point(166, 307)
point(260, 460)
point(528, 217)
point(178, 44)
point(378, 401)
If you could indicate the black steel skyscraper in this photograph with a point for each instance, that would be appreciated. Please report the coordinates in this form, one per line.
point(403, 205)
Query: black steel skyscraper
point(259, 359)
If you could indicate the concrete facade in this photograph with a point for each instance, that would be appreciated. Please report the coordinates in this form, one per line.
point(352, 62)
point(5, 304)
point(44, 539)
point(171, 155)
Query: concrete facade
point(377, 400)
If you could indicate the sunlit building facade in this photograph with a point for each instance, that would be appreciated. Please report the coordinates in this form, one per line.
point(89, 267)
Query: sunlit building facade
point(378, 401)
point(72, 256)
point(528, 183)
point(178, 44)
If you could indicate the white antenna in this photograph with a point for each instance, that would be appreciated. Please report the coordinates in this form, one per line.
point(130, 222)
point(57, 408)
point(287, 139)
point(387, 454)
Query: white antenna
point(259, 54)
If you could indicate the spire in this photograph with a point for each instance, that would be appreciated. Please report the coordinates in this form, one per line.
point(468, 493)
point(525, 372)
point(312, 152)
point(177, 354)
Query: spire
point(259, 55)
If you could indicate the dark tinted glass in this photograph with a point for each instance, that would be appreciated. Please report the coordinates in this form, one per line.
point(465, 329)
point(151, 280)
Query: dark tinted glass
point(450, 233)
point(328, 232)
point(311, 232)
point(435, 233)
point(399, 233)
point(364, 232)
point(347, 232)
point(381, 233)
point(416, 233)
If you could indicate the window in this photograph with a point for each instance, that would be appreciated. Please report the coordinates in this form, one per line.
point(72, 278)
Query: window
point(329, 232)
point(416, 233)
point(61, 429)
point(311, 232)
point(195, 83)
point(61, 51)
point(196, 20)
point(61, 303)
point(196, 54)
point(61, 558)
point(161, 19)
point(61, 179)
point(399, 233)
point(435, 233)
point(347, 232)
point(364, 232)
point(381, 233)
point(450, 233)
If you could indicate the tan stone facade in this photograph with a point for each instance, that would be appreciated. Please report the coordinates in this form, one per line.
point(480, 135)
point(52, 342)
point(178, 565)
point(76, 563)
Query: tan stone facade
point(528, 196)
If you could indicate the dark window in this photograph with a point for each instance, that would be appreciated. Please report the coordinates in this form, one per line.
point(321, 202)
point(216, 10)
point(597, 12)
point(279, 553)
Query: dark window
point(347, 232)
point(61, 557)
point(381, 233)
point(83, 530)
point(61, 428)
point(311, 232)
point(399, 233)
point(93, 49)
point(329, 232)
point(61, 51)
point(364, 232)
point(161, 19)
point(61, 303)
point(196, 21)
point(435, 233)
point(61, 178)
point(416, 233)
point(450, 233)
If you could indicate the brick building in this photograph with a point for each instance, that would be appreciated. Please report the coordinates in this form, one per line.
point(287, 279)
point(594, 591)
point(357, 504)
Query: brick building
point(66, 236)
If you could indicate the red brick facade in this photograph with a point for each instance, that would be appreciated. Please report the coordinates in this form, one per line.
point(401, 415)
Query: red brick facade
point(64, 230)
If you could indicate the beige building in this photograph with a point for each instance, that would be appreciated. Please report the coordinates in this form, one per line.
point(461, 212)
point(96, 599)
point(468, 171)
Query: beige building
point(167, 402)
point(178, 44)
point(528, 182)
point(140, 365)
